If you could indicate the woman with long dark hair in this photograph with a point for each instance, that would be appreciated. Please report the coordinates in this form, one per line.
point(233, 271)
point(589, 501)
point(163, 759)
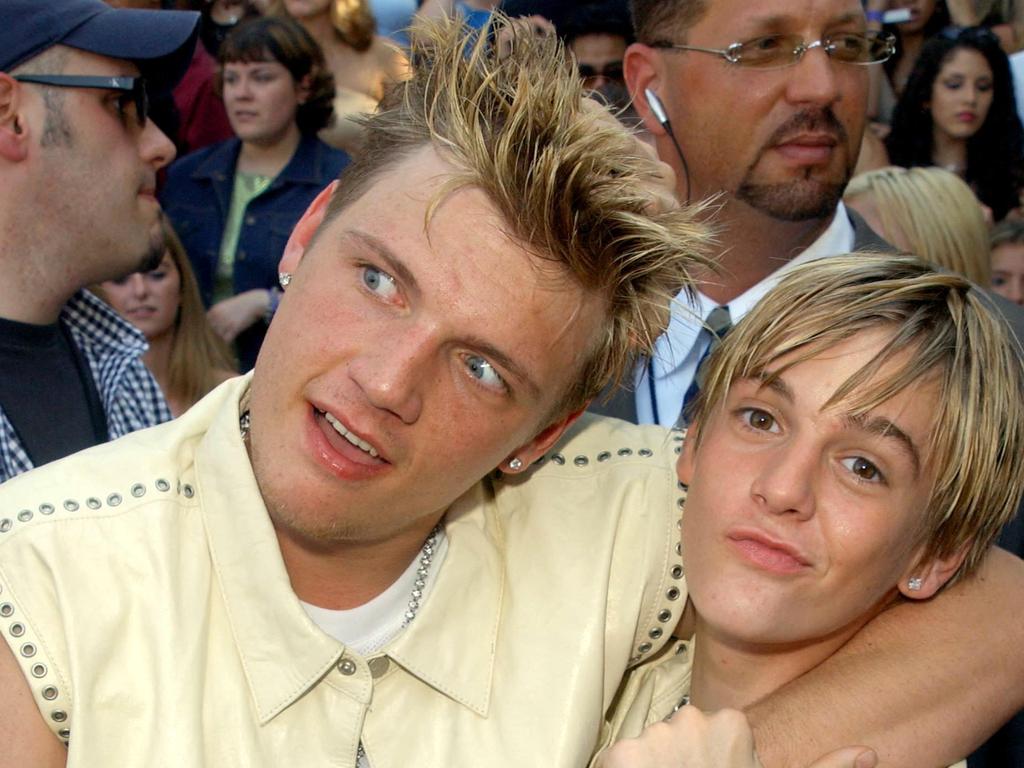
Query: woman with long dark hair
point(958, 112)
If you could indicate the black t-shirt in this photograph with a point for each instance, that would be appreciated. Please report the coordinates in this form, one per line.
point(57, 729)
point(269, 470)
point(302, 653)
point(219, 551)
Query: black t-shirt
point(47, 391)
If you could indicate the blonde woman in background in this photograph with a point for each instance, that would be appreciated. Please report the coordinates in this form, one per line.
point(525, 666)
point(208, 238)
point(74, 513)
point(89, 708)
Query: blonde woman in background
point(930, 212)
point(361, 61)
point(185, 356)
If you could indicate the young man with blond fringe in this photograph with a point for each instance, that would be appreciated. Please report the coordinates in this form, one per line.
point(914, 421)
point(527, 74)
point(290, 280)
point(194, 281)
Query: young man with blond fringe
point(859, 442)
point(307, 569)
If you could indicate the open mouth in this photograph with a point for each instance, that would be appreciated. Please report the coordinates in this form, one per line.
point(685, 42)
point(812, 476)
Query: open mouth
point(351, 437)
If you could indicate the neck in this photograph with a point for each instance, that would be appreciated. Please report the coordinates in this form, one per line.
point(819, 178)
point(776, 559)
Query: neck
point(269, 157)
point(321, 29)
point(730, 673)
point(755, 246)
point(344, 576)
point(37, 280)
point(949, 153)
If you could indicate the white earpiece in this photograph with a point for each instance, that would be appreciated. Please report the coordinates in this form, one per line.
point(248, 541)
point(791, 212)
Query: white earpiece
point(656, 106)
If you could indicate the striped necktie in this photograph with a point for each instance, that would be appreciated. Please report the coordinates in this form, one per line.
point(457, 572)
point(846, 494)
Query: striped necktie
point(718, 323)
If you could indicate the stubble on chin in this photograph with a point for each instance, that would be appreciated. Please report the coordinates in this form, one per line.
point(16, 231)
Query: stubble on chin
point(811, 196)
point(154, 251)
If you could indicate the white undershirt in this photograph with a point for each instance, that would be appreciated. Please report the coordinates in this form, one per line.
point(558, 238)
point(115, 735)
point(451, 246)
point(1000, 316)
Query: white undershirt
point(371, 626)
point(678, 351)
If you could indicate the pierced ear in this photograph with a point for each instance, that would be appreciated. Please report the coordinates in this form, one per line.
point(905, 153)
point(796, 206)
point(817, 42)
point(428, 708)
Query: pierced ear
point(13, 135)
point(922, 580)
point(642, 70)
point(539, 445)
point(303, 232)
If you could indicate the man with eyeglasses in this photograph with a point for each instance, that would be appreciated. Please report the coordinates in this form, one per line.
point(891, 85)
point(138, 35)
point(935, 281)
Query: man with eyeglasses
point(78, 166)
point(760, 106)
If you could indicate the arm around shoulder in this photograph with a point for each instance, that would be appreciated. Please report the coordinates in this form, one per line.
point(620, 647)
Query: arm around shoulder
point(923, 683)
point(27, 741)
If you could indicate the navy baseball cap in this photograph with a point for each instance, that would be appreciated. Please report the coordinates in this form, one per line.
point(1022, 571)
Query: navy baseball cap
point(161, 43)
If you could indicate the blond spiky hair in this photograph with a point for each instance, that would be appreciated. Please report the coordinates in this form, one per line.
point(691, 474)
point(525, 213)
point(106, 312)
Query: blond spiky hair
point(570, 183)
point(949, 333)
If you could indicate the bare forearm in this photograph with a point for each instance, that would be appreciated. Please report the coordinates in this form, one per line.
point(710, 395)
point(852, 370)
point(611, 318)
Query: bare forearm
point(923, 684)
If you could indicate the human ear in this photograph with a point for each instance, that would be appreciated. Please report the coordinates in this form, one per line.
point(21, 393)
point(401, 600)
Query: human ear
point(642, 69)
point(528, 453)
point(13, 136)
point(923, 579)
point(303, 232)
point(687, 459)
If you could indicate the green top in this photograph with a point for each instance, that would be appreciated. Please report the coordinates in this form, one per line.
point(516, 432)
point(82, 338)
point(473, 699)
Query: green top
point(248, 186)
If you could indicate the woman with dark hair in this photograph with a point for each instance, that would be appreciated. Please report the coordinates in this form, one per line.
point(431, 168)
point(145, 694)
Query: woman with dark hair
point(958, 112)
point(361, 61)
point(234, 204)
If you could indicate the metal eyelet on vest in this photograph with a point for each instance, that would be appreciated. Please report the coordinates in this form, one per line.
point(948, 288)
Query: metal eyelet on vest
point(664, 615)
point(113, 499)
point(93, 503)
point(581, 461)
point(46, 509)
point(672, 593)
point(138, 490)
point(50, 692)
point(38, 670)
point(17, 629)
point(677, 571)
point(645, 452)
point(188, 491)
point(6, 610)
point(347, 667)
point(625, 451)
point(28, 650)
point(71, 505)
point(604, 455)
point(6, 524)
point(59, 715)
point(25, 515)
point(163, 485)
point(559, 459)
point(655, 633)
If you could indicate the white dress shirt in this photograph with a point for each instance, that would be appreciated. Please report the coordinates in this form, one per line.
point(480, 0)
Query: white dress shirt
point(678, 351)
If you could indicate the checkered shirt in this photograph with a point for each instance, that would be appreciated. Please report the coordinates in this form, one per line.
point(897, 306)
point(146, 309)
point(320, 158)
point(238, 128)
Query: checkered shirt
point(113, 348)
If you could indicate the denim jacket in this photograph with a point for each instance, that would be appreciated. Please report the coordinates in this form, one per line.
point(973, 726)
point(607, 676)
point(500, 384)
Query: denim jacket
point(197, 198)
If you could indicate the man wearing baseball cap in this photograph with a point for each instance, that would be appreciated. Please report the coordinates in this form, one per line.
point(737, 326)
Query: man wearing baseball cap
point(78, 165)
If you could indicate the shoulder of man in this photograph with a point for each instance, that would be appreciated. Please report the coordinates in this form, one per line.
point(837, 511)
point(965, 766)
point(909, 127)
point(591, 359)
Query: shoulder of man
point(607, 498)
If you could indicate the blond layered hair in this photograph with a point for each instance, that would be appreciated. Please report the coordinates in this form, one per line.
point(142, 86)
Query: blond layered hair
point(569, 182)
point(944, 331)
point(931, 213)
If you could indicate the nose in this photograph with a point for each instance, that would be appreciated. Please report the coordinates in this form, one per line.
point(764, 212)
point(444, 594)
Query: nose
point(812, 80)
point(154, 147)
point(392, 375)
point(784, 483)
point(137, 286)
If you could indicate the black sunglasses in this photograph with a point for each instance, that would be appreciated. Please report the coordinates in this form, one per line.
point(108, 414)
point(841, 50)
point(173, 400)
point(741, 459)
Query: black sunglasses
point(132, 89)
point(612, 71)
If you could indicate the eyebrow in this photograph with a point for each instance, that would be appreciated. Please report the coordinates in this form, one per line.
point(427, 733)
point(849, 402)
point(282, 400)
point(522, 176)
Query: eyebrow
point(485, 348)
point(883, 427)
point(874, 425)
point(780, 20)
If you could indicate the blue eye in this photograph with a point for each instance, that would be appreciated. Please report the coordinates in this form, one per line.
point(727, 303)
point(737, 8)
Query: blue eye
point(863, 469)
point(484, 372)
point(379, 282)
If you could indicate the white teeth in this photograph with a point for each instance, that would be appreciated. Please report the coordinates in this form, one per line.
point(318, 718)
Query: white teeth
point(340, 429)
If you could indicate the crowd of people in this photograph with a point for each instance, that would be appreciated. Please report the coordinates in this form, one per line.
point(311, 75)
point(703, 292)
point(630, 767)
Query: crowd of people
point(315, 314)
